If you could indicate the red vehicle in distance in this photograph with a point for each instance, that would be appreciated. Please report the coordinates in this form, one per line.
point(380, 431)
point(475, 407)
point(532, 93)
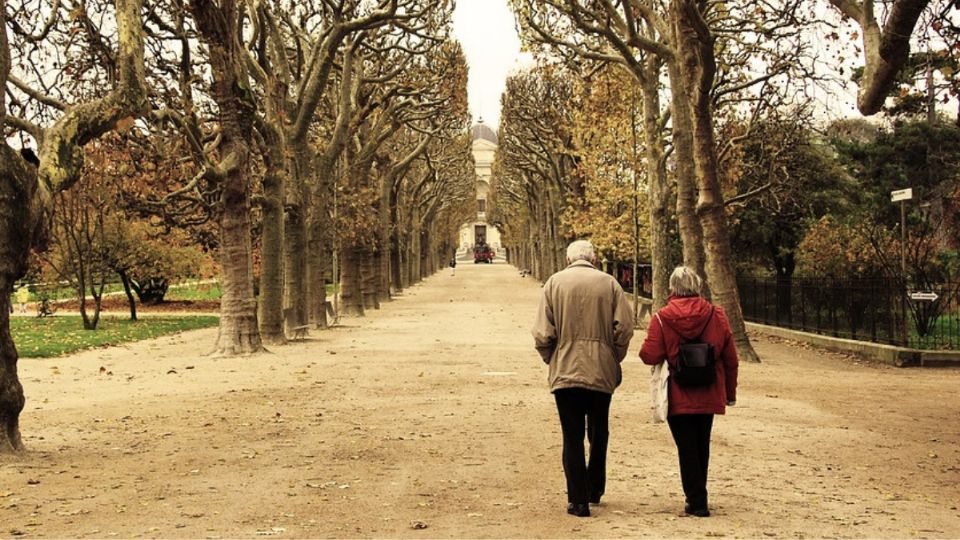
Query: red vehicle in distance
point(482, 254)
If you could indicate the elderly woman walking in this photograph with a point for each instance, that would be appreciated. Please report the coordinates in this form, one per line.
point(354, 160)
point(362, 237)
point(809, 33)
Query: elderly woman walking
point(694, 338)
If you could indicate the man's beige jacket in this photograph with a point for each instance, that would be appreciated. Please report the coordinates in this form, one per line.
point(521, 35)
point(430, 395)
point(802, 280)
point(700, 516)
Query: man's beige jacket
point(583, 328)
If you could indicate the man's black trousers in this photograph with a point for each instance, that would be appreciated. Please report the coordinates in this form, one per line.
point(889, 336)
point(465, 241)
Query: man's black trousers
point(583, 410)
point(691, 432)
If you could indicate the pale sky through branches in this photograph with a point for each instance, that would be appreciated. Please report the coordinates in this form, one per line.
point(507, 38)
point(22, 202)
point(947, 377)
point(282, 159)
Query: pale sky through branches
point(487, 31)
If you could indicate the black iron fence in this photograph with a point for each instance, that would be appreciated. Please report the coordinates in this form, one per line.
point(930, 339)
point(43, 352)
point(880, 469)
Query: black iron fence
point(877, 310)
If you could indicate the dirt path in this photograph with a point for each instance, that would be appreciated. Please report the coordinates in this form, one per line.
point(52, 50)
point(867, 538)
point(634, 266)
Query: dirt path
point(434, 412)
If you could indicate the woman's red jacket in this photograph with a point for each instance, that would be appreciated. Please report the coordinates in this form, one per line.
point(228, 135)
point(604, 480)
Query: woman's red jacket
point(688, 317)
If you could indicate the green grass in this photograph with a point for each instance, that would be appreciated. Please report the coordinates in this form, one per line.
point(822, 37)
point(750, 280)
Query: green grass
point(943, 335)
point(205, 291)
point(54, 336)
point(194, 292)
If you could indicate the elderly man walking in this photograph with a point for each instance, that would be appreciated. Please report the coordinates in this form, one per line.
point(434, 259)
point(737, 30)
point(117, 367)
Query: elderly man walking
point(583, 328)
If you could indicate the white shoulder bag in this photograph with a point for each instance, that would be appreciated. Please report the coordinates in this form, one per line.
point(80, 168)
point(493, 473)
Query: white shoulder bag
point(658, 388)
point(659, 382)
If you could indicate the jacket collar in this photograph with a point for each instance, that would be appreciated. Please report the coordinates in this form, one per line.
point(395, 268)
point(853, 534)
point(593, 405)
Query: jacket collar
point(581, 263)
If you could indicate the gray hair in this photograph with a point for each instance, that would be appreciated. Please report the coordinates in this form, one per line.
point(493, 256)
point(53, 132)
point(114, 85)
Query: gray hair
point(581, 250)
point(684, 282)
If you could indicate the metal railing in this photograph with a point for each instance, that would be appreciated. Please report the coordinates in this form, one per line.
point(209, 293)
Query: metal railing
point(876, 310)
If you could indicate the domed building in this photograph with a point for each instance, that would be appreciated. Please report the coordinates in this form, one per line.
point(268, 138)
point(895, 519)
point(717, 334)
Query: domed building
point(479, 231)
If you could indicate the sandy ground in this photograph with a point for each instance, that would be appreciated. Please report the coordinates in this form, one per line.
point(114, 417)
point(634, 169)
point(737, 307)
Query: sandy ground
point(431, 418)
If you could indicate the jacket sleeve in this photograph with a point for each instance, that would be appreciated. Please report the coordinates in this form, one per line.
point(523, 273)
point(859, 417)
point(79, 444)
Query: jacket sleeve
point(544, 327)
point(622, 323)
point(731, 363)
point(653, 351)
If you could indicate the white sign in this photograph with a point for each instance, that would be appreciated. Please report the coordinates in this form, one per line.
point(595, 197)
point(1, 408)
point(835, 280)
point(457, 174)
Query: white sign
point(901, 195)
point(928, 296)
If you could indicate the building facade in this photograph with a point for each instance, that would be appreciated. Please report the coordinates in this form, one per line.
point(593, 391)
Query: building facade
point(479, 231)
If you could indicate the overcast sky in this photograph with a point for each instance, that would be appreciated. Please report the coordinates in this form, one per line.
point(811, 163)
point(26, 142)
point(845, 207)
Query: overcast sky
point(487, 31)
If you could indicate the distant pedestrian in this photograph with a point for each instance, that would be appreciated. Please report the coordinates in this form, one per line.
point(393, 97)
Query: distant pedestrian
point(689, 319)
point(453, 266)
point(23, 296)
point(582, 331)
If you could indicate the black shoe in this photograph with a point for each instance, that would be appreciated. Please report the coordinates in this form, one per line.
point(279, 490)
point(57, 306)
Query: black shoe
point(699, 512)
point(578, 509)
point(595, 499)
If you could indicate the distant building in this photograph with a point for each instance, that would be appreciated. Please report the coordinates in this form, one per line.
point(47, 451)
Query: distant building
point(484, 150)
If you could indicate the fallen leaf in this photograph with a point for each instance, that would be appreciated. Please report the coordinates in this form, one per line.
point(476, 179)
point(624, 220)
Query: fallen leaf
point(124, 124)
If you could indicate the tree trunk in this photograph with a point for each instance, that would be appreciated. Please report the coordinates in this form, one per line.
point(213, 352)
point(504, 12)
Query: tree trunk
point(382, 257)
point(658, 192)
point(81, 291)
point(691, 232)
point(424, 254)
point(11, 391)
point(369, 279)
point(239, 333)
point(219, 30)
point(319, 249)
point(320, 239)
point(96, 291)
point(19, 224)
point(416, 273)
point(351, 298)
point(544, 242)
point(128, 290)
point(698, 66)
point(384, 241)
point(295, 242)
point(270, 303)
point(396, 264)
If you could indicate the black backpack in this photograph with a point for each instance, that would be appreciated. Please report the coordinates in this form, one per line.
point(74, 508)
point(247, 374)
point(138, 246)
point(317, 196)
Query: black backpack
point(696, 365)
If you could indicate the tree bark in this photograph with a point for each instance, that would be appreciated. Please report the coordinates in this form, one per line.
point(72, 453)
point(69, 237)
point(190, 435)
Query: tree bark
point(698, 66)
point(885, 50)
point(658, 191)
point(96, 292)
point(691, 232)
point(369, 278)
point(396, 264)
point(295, 239)
point(26, 192)
point(382, 254)
point(351, 298)
point(125, 279)
point(11, 391)
point(19, 227)
point(318, 244)
point(239, 332)
point(218, 26)
point(270, 303)
point(416, 274)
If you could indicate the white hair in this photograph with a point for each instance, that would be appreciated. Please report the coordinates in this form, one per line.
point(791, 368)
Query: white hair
point(581, 250)
point(684, 282)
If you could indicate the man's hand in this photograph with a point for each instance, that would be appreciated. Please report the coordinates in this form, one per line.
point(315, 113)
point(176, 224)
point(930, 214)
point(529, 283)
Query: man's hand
point(731, 403)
